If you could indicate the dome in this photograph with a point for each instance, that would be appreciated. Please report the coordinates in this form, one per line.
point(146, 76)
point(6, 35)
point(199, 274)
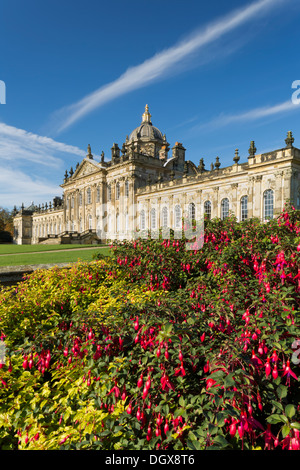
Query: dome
point(146, 131)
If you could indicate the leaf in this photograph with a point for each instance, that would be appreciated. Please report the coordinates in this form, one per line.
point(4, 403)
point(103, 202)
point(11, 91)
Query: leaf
point(274, 419)
point(194, 445)
point(290, 411)
point(282, 391)
point(285, 430)
point(220, 441)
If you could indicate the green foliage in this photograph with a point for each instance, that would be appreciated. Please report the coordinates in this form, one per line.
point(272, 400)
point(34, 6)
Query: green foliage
point(159, 347)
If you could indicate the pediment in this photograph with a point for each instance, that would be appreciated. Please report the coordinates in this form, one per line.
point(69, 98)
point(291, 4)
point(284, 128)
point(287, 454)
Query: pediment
point(86, 168)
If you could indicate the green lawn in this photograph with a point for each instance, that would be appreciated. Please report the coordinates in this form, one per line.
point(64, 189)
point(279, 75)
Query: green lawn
point(67, 256)
point(10, 248)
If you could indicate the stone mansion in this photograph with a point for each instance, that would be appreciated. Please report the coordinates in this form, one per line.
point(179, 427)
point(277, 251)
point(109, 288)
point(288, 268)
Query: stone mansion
point(146, 186)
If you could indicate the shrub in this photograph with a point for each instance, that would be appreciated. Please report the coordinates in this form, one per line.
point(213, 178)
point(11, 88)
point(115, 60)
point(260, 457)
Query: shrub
point(159, 347)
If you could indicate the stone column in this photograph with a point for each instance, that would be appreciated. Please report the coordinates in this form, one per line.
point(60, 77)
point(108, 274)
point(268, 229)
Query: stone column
point(278, 193)
point(257, 197)
point(250, 196)
point(216, 212)
point(235, 206)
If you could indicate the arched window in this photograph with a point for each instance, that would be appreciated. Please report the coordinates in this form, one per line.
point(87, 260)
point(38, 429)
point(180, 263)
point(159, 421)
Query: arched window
point(126, 188)
point(153, 219)
point(192, 211)
point(142, 220)
point(177, 212)
point(88, 196)
point(117, 191)
point(244, 208)
point(207, 209)
point(224, 208)
point(117, 222)
point(165, 217)
point(109, 192)
point(268, 204)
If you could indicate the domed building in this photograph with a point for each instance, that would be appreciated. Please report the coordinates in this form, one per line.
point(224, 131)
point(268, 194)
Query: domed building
point(145, 186)
point(147, 138)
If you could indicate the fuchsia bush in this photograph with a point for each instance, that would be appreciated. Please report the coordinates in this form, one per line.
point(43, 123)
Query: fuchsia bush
point(169, 348)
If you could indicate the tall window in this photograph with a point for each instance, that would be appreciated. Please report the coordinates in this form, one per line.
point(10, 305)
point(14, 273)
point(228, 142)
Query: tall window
point(126, 188)
point(89, 196)
point(142, 220)
point(244, 208)
point(224, 208)
point(118, 191)
point(153, 219)
point(165, 217)
point(268, 204)
point(207, 209)
point(177, 213)
point(192, 211)
point(109, 192)
point(90, 222)
point(298, 201)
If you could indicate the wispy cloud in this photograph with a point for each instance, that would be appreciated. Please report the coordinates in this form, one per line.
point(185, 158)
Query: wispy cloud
point(158, 66)
point(18, 143)
point(25, 159)
point(250, 115)
point(17, 187)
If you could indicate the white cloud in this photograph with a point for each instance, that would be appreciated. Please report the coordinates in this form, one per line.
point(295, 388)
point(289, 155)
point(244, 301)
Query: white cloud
point(25, 161)
point(17, 187)
point(160, 64)
point(251, 115)
point(20, 144)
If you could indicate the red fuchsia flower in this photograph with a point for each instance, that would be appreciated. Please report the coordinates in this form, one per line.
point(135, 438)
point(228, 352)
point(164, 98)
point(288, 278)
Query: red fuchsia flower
point(269, 438)
point(268, 367)
point(210, 383)
point(255, 360)
point(274, 356)
point(288, 371)
point(295, 440)
point(165, 383)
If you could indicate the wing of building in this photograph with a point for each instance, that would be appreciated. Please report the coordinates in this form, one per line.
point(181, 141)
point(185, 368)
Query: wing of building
point(146, 185)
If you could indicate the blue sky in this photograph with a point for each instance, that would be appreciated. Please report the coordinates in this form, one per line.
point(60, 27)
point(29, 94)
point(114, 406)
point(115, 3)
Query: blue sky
point(215, 75)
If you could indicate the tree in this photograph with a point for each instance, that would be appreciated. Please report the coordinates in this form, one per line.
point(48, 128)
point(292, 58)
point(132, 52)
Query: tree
point(6, 220)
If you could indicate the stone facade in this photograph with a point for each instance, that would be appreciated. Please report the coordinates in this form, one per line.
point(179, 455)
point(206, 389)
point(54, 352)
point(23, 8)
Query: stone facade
point(145, 187)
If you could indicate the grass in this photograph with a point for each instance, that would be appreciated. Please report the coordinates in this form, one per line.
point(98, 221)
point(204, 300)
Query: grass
point(68, 256)
point(14, 249)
